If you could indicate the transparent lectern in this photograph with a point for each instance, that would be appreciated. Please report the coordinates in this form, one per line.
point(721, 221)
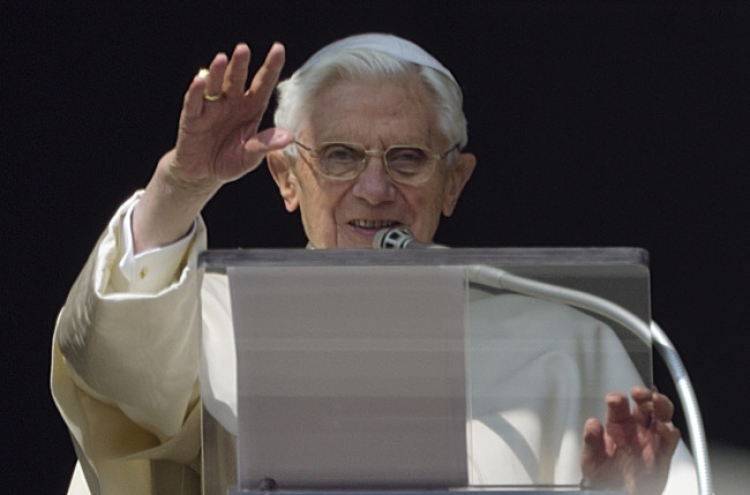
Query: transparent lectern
point(407, 371)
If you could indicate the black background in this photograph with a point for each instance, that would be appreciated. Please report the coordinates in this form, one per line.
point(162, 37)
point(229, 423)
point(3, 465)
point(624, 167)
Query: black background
point(595, 124)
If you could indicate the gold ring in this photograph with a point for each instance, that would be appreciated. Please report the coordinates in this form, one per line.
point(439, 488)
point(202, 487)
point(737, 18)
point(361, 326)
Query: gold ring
point(203, 73)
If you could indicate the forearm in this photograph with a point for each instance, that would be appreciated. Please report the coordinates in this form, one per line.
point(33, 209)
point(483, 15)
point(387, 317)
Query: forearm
point(168, 207)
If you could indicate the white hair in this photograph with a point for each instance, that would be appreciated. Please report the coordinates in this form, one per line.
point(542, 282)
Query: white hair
point(371, 57)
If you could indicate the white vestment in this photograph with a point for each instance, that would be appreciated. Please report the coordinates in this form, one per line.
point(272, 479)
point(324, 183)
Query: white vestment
point(126, 358)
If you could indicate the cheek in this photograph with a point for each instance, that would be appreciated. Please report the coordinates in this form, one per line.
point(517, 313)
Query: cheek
point(311, 193)
point(426, 208)
point(321, 204)
point(324, 198)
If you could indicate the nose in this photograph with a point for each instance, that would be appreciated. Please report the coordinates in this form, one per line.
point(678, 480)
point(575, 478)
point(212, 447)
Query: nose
point(374, 185)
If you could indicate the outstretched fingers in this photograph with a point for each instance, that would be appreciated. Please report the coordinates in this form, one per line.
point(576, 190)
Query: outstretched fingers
point(620, 425)
point(634, 446)
point(594, 451)
point(206, 83)
point(662, 412)
point(643, 411)
point(663, 407)
point(215, 75)
point(267, 76)
point(618, 408)
point(651, 407)
point(235, 77)
point(227, 78)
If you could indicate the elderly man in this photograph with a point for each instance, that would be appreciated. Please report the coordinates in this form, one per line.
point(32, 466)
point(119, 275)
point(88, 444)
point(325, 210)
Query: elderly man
point(370, 134)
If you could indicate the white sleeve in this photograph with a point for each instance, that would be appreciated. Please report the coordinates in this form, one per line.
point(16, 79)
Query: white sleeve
point(150, 271)
point(126, 359)
point(136, 349)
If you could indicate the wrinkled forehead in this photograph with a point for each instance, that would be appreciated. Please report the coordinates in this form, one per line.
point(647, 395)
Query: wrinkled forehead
point(374, 112)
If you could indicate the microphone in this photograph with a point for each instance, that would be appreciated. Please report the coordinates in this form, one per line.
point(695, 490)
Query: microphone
point(400, 238)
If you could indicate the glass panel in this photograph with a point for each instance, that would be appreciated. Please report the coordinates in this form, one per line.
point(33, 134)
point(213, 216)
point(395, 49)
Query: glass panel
point(350, 377)
point(533, 371)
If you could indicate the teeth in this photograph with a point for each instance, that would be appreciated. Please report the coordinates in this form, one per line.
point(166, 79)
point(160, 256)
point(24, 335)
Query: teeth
point(373, 224)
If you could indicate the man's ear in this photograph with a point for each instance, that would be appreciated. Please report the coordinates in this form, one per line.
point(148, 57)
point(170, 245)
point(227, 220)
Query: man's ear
point(458, 175)
point(280, 166)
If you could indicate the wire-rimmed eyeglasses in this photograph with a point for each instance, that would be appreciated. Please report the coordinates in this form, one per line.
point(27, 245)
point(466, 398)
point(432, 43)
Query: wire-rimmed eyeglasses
point(404, 163)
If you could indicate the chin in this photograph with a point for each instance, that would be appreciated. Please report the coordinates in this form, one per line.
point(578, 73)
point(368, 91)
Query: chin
point(358, 243)
point(355, 245)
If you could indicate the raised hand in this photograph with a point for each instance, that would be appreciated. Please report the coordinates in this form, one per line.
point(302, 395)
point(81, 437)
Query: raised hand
point(217, 142)
point(634, 448)
point(218, 137)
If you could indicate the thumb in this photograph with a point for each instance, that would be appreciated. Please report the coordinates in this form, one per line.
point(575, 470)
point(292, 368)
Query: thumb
point(274, 138)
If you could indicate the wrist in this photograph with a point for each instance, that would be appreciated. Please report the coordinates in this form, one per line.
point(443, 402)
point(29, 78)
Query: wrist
point(170, 179)
point(168, 207)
